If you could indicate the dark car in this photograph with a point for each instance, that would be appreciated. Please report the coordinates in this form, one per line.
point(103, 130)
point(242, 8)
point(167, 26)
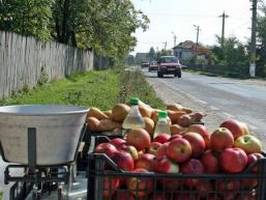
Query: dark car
point(153, 66)
point(144, 64)
point(169, 65)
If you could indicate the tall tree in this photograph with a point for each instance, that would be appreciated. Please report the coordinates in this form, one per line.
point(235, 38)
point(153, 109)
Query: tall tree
point(105, 26)
point(232, 53)
point(27, 17)
point(152, 54)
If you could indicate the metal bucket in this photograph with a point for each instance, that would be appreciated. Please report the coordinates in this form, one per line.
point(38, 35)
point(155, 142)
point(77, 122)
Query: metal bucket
point(58, 130)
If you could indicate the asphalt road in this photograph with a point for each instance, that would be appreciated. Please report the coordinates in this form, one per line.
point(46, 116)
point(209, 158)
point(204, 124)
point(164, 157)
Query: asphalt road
point(228, 98)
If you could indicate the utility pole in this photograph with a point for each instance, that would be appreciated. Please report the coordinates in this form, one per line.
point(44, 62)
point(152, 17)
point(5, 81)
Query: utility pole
point(252, 66)
point(174, 35)
point(223, 24)
point(197, 38)
point(165, 45)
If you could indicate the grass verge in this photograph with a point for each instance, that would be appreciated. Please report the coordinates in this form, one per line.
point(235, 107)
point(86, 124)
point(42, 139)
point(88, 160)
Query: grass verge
point(94, 88)
point(133, 83)
point(101, 89)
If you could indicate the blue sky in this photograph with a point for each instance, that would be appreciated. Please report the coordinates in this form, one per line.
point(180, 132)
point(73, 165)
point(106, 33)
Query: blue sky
point(169, 17)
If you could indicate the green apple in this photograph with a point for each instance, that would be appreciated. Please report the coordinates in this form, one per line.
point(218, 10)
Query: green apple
point(249, 143)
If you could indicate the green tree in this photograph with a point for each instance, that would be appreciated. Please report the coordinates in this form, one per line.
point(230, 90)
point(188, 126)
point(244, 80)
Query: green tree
point(152, 54)
point(105, 26)
point(26, 17)
point(232, 53)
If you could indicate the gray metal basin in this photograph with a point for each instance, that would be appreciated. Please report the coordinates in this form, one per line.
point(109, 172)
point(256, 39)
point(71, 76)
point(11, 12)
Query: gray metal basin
point(58, 130)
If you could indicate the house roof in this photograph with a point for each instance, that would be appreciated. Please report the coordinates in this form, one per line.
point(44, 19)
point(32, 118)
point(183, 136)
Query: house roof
point(190, 45)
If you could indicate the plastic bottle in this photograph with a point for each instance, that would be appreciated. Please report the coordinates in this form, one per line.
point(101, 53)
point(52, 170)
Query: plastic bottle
point(162, 125)
point(134, 118)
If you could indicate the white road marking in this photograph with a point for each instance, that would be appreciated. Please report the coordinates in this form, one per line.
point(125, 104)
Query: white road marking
point(214, 108)
point(228, 115)
point(202, 102)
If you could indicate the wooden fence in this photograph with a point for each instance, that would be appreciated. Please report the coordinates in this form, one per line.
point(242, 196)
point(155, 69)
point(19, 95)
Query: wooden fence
point(25, 61)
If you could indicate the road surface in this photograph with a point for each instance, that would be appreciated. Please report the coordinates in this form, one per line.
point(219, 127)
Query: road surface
point(220, 98)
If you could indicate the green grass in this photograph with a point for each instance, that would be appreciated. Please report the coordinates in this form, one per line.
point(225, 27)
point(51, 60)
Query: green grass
point(101, 89)
point(133, 83)
point(95, 88)
point(1, 195)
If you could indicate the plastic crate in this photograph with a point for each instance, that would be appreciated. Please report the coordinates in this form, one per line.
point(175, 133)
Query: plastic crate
point(103, 173)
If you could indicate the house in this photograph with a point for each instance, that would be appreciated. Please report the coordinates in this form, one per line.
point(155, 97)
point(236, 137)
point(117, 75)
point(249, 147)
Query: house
point(186, 50)
point(141, 57)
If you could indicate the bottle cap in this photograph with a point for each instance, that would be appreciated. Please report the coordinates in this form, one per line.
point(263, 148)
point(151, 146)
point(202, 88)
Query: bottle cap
point(134, 101)
point(163, 114)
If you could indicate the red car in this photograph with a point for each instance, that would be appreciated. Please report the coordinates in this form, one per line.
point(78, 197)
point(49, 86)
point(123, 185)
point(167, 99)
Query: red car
point(169, 65)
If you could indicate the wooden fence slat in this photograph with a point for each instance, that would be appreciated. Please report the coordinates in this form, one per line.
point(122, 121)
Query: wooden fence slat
point(22, 58)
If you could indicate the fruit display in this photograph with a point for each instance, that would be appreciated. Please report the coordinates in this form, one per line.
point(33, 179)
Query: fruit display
point(180, 118)
point(230, 150)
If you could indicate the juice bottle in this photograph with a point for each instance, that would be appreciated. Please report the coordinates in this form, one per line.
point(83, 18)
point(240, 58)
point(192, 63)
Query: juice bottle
point(134, 118)
point(162, 125)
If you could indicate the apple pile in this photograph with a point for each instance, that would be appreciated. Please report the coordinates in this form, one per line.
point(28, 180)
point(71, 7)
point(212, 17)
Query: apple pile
point(229, 149)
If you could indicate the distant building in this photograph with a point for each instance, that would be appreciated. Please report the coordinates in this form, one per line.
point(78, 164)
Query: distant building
point(187, 49)
point(141, 57)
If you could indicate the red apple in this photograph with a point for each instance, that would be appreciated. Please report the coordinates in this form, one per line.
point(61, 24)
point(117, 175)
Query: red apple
point(164, 165)
point(249, 184)
point(145, 161)
point(210, 162)
point(140, 187)
point(249, 143)
point(202, 130)
point(162, 138)
point(106, 148)
point(171, 184)
point(186, 196)
point(124, 160)
point(245, 128)
point(203, 188)
point(228, 185)
point(158, 196)
point(233, 160)
point(175, 137)
point(230, 195)
point(192, 166)
point(252, 159)
point(118, 143)
point(139, 138)
point(221, 138)
point(124, 195)
point(131, 150)
point(154, 147)
point(249, 196)
point(110, 186)
point(197, 143)
point(237, 128)
point(179, 150)
point(162, 150)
